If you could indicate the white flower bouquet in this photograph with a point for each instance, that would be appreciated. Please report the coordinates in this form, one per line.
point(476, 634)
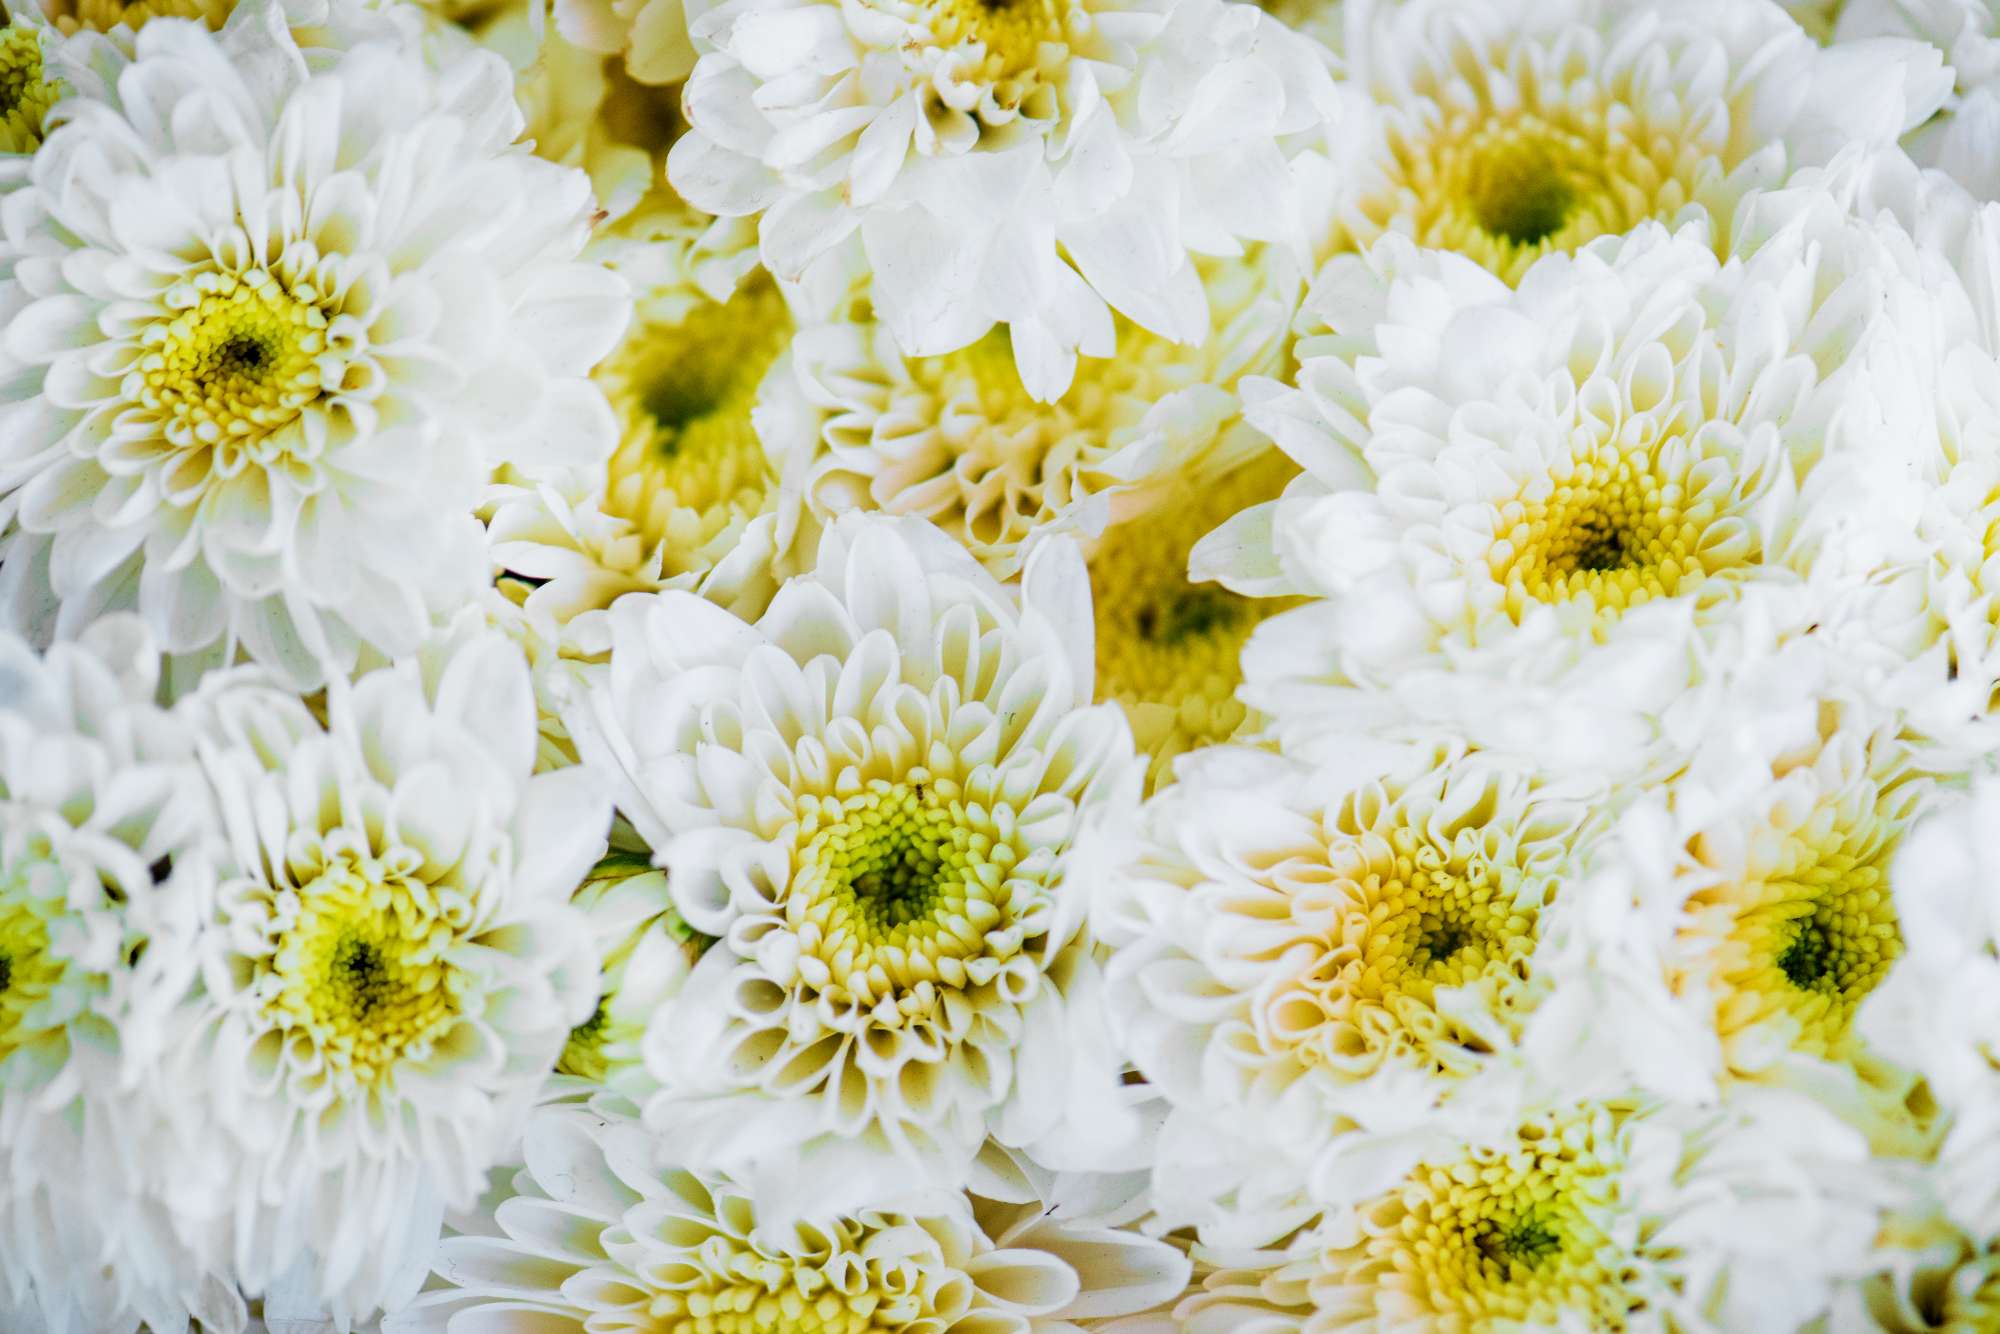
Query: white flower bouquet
point(1000, 666)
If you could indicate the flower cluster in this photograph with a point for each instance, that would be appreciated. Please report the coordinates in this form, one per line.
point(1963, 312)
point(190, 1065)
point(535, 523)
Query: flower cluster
point(1000, 666)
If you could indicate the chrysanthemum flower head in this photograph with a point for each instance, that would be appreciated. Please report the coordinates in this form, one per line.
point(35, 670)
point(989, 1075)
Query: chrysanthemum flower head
point(394, 964)
point(254, 389)
point(1927, 1275)
point(1604, 1215)
point(107, 866)
point(1332, 969)
point(958, 439)
point(607, 1227)
point(869, 797)
point(1508, 131)
point(1544, 515)
point(1036, 164)
point(1743, 915)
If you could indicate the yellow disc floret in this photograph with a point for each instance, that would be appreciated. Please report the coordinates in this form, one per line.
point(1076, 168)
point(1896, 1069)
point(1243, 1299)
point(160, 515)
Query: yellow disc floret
point(1616, 524)
point(27, 970)
point(1441, 882)
point(690, 468)
point(1515, 1236)
point(359, 969)
point(903, 888)
point(1168, 649)
point(237, 357)
point(26, 89)
point(1810, 927)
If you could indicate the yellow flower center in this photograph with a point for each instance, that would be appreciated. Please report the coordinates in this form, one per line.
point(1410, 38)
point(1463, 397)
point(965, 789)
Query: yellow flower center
point(28, 973)
point(1506, 184)
point(689, 466)
point(26, 90)
point(72, 16)
point(360, 968)
point(1168, 649)
point(1406, 897)
point(1615, 526)
point(902, 888)
point(1513, 1233)
point(1812, 928)
point(1010, 32)
point(239, 359)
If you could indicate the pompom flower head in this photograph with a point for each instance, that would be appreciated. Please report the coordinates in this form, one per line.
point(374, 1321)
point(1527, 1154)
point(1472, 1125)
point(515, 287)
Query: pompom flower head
point(869, 797)
point(264, 351)
point(1036, 164)
point(605, 1228)
point(107, 866)
point(1548, 516)
point(1325, 973)
point(1508, 131)
point(394, 964)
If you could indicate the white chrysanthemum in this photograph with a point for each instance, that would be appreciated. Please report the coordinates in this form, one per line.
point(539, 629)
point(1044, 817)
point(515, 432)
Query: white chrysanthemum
point(1330, 969)
point(958, 440)
point(272, 317)
point(1742, 914)
point(690, 498)
point(1033, 163)
point(107, 845)
point(1938, 1012)
point(1616, 1216)
point(394, 964)
point(869, 797)
point(1506, 130)
point(1544, 514)
point(646, 952)
point(607, 1228)
point(1964, 137)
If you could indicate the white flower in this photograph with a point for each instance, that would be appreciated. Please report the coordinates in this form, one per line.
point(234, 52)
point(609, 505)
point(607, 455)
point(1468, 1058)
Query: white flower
point(1939, 1010)
point(1963, 137)
point(1926, 1276)
point(1545, 515)
point(869, 798)
point(608, 1227)
point(1742, 915)
point(690, 497)
point(273, 316)
point(393, 965)
point(1035, 164)
point(1332, 969)
point(107, 845)
point(1625, 1215)
point(1506, 130)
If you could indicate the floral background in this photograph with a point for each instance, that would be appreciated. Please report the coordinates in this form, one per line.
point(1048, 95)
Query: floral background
point(999, 666)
